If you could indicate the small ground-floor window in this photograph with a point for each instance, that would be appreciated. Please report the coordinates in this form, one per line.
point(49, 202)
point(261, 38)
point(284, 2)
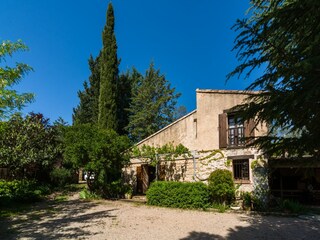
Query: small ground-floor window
point(241, 169)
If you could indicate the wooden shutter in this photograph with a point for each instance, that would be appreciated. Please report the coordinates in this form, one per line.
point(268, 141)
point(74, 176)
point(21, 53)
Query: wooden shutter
point(139, 179)
point(249, 130)
point(223, 130)
point(145, 177)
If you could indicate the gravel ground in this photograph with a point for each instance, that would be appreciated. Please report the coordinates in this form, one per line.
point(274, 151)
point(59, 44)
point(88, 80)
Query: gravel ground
point(77, 219)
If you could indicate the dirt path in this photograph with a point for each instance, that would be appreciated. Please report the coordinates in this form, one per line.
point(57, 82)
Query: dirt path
point(76, 219)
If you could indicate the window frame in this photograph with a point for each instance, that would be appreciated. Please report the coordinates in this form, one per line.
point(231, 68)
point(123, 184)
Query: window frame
point(238, 169)
point(237, 139)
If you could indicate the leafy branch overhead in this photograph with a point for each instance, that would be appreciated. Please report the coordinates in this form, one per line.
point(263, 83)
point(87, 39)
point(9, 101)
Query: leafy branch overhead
point(281, 39)
point(10, 99)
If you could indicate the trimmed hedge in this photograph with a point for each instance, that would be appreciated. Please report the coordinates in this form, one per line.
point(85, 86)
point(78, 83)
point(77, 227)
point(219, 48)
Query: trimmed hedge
point(21, 191)
point(178, 194)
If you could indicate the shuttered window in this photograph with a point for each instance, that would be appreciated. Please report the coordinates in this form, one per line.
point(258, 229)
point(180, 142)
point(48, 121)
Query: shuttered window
point(233, 131)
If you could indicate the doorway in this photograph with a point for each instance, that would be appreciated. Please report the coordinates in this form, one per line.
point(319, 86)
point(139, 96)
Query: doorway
point(145, 175)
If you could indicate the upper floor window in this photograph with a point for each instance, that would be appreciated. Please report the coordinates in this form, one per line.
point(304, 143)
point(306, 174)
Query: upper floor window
point(235, 131)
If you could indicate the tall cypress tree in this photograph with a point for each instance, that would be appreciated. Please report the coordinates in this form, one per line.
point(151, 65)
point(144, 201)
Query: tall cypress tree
point(88, 108)
point(108, 106)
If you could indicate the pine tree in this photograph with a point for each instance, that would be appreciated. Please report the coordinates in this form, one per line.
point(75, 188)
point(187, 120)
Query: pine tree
point(283, 37)
point(153, 105)
point(108, 106)
point(88, 108)
point(126, 82)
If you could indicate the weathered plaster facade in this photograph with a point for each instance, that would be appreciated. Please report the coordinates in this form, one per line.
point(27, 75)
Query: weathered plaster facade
point(199, 132)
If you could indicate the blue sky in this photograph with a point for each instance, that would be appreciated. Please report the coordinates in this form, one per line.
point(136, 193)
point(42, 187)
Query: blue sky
point(189, 40)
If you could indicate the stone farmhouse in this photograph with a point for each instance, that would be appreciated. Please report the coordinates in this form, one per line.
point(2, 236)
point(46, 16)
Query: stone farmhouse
point(213, 135)
point(216, 140)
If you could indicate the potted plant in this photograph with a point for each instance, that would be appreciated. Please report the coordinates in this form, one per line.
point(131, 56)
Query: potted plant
point(128, 192)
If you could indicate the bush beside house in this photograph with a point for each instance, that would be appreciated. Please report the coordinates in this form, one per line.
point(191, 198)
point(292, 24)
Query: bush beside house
point(178, 194)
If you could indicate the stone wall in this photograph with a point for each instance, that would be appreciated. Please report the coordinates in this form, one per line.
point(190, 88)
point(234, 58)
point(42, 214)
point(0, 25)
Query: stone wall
point(197, 167)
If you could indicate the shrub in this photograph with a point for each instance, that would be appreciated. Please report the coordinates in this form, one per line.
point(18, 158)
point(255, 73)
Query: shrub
point(85, 194)
point(178, 194)
point(247, 199)
point(21, 191)
point(221, 186)
point(291, 206)
point(61, 176)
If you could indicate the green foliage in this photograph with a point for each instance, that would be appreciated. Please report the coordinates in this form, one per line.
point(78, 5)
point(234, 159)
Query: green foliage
point(101, 152)
point(291, 206)
point(215, 155)
point(28, 146)
point(247, 199)
point(86, 194)
point(10, 99)
point(178, 194)
point(282, 38)
point(108, 104)
point(153, 105)
point(154, 154)
point(220, 207)
point(221, 186)
point(88, 109)
point(21, 191)
point(61, 176)
point(127, 81)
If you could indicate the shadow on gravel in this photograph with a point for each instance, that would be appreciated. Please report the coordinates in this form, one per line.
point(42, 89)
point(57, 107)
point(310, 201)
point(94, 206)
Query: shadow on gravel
point(266, 227)
point(52, 220)
point(201, 236)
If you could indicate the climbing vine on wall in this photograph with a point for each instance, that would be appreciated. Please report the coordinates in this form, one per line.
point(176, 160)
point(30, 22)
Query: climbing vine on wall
point(154, 154)
point(213, 156)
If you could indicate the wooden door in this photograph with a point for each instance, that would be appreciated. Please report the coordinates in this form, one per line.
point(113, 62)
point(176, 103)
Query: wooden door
point(139, 180)
point(145, 178)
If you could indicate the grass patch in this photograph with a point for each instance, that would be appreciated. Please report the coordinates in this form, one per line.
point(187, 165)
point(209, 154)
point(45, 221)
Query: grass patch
point(86, 194)
point(220, 207)
point(61, 198)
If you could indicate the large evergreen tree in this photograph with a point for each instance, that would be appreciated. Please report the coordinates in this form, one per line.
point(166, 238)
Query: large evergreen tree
point(108, 106)
point(283, 36)
point(153, 104)
point(126, 82)
point(88, 108)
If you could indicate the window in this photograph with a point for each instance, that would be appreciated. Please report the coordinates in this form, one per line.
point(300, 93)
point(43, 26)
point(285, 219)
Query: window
point(241, 169)
point(235, 131)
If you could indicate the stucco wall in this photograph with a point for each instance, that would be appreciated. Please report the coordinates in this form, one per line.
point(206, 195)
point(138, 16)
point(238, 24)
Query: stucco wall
point(211, 103)
point(182, 131)
point(199, 130)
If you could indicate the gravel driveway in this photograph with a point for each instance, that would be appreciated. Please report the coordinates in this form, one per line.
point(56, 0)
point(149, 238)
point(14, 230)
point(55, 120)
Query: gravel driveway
point(77, 219)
